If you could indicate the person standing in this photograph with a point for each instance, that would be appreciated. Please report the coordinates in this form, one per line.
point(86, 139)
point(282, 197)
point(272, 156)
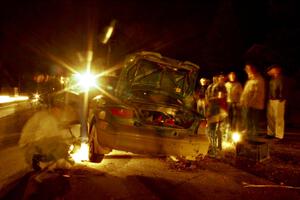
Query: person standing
point(201, 102)
point(276, 103)
point(211, 125)
point(209, 89)
point(234, 91)
point(221, 92)
point(252, 100)
point(216, 97)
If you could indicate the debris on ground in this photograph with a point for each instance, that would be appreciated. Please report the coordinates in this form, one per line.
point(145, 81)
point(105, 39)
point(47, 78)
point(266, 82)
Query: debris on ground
point(53, 184)
point(280, 168)
point(181, 164)
point(247, 185)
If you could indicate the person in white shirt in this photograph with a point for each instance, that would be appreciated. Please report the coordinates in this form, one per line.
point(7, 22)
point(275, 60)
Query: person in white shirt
point(252, 100)
point(234, 91)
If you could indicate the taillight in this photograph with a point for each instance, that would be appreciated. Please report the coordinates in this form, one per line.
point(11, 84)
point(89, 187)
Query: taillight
point(121, 112)
point(170, 122)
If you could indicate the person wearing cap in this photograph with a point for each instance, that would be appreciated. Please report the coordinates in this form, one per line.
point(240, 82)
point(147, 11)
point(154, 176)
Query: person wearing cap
point(276, 103)
point(252, 100)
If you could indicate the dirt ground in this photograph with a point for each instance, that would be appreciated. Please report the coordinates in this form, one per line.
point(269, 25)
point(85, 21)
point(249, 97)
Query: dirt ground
point(282, 166)
point(135, 177)
point(208, 179)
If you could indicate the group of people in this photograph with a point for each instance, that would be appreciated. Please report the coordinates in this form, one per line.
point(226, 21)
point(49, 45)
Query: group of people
point(228, 106)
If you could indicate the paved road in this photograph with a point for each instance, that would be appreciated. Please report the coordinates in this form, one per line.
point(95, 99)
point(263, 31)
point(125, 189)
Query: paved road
point(13, 116)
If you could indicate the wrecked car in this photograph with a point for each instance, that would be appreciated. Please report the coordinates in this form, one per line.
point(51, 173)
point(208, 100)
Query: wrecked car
point(150, 111)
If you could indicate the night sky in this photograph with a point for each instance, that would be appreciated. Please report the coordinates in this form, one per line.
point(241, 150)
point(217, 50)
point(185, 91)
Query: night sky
point(214, 34)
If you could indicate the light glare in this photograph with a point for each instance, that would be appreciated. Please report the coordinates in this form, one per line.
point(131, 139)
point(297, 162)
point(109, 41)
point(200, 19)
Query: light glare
point(108, 34)
point(227, 145)
point(236, 137)
point(80, 155)
point(8, 99)
point(86, 81)
point(36, 95)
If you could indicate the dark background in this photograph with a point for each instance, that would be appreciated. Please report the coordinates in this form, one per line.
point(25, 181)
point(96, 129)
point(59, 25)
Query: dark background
point(219, 35)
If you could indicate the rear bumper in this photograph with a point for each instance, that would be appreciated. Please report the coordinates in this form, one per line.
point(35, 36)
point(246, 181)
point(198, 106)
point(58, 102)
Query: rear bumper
point(150, 140)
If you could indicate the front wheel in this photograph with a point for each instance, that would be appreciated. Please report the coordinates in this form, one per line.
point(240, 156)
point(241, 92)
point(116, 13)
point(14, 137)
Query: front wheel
point(93, 156)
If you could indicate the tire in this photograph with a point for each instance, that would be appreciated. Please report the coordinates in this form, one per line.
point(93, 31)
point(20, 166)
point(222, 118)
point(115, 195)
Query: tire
point(93, 156)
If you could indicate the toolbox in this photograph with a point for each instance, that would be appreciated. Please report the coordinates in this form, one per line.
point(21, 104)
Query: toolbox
point(253, 150)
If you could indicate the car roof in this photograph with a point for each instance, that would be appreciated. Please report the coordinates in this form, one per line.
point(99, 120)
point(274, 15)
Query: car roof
point(170, 62)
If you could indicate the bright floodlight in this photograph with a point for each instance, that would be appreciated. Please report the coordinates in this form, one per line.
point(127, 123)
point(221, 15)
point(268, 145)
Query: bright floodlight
point(236, 137)
point(86, 81)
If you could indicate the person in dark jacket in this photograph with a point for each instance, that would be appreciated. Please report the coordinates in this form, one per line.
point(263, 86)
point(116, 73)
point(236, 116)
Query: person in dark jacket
point(276, 103)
